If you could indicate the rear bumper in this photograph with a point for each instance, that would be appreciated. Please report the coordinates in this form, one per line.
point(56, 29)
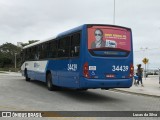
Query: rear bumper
point(105, 83)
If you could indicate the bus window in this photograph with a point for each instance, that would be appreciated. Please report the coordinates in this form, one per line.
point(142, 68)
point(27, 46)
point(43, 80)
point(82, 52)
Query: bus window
point(48, 50)
point(36, 53)
point(51, 49)
point(75, 45)
point(63, 47)
point(33, 52)
point(42, 51)
point(22, 54)
point(109, 41)
point(54, 49)
point(29, 53)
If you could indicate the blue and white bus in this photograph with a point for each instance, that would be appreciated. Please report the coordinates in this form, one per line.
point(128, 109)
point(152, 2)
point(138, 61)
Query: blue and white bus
point(86, 57)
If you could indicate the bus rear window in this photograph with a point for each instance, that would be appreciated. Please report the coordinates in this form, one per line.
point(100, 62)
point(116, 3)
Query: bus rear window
point(104, 38)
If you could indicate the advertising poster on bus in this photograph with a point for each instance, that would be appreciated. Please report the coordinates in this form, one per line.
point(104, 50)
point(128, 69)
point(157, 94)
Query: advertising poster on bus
point(108, 37)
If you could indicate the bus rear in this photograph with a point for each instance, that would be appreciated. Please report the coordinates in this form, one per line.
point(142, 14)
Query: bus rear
point(108, 61)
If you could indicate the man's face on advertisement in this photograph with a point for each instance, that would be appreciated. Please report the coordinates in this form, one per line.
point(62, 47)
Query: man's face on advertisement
point(98, 35)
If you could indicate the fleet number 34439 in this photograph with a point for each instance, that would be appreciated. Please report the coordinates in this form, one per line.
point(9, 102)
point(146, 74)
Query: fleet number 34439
point(119, 68)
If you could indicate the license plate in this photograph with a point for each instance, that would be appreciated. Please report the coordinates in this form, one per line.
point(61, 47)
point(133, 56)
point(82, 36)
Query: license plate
point(110, 75)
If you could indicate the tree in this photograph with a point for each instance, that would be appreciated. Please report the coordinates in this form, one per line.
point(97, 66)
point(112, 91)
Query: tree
point(7, 54)
point(29, 42)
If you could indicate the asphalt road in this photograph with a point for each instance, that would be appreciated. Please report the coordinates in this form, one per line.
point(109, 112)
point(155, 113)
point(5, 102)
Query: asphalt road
point(18, 95)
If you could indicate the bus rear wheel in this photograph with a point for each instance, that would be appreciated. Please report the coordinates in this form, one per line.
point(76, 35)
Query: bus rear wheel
point(50, 85)
point(83, 89)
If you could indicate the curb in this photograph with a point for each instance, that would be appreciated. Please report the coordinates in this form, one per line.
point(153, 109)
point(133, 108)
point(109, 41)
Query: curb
point(134, 93)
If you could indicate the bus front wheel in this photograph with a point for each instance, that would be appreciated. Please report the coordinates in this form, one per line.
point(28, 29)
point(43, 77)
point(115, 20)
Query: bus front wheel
point(50, 85)
point(26, 75)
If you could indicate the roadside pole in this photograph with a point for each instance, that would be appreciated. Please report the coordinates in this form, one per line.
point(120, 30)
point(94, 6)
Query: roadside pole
point(145, 61)
point(145, 72)
point(15, 61)
point(159, 74)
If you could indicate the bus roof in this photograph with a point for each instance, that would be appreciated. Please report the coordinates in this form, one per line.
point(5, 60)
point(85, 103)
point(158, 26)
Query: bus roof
point(70, 31)
point(39, 42)
point(59, 35)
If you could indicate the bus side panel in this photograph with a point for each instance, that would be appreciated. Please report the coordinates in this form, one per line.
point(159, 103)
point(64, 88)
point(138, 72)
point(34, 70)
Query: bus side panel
point(22, 69)
point(40, 70)
point(40, 76)
point(52, 67)
point(65, 73)
point(35, 69)
point(30, 69)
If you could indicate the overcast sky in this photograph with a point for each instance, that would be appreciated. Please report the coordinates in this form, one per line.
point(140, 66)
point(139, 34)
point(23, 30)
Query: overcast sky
point(23, 20)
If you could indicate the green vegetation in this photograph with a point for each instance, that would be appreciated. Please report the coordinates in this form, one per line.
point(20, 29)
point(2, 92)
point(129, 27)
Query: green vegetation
point(29, 42)
point(8, 53)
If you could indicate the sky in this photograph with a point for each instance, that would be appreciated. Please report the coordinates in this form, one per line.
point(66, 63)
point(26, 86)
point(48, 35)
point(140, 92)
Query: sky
point(23, 20)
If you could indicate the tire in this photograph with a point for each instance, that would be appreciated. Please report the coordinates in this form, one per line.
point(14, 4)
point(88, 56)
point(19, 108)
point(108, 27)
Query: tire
point(105, 88)
point(83, 89)
point(49, 83)
point(26, 75)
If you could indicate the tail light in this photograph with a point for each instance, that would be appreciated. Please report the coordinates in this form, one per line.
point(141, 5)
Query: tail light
point(86, 70)
point(131, 70)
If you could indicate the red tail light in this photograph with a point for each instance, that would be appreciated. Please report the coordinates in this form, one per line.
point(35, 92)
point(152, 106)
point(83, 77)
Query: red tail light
point(86, 70)
point(131, 70)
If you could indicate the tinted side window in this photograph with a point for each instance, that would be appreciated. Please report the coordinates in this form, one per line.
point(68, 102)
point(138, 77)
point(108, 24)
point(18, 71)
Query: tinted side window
point(36, 53)
point(23, 55)
point(29, 53)
point(33, 53)
point(64, 47)
point(75, 45)
point(51, 49)
point(48, 50)
point(54, 49)
point(42, 51)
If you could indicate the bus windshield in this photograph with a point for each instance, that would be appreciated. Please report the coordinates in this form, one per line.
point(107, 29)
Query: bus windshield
point(106, 38)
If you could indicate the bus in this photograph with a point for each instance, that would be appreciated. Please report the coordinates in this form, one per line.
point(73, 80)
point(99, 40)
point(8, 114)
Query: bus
point(89, 56)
